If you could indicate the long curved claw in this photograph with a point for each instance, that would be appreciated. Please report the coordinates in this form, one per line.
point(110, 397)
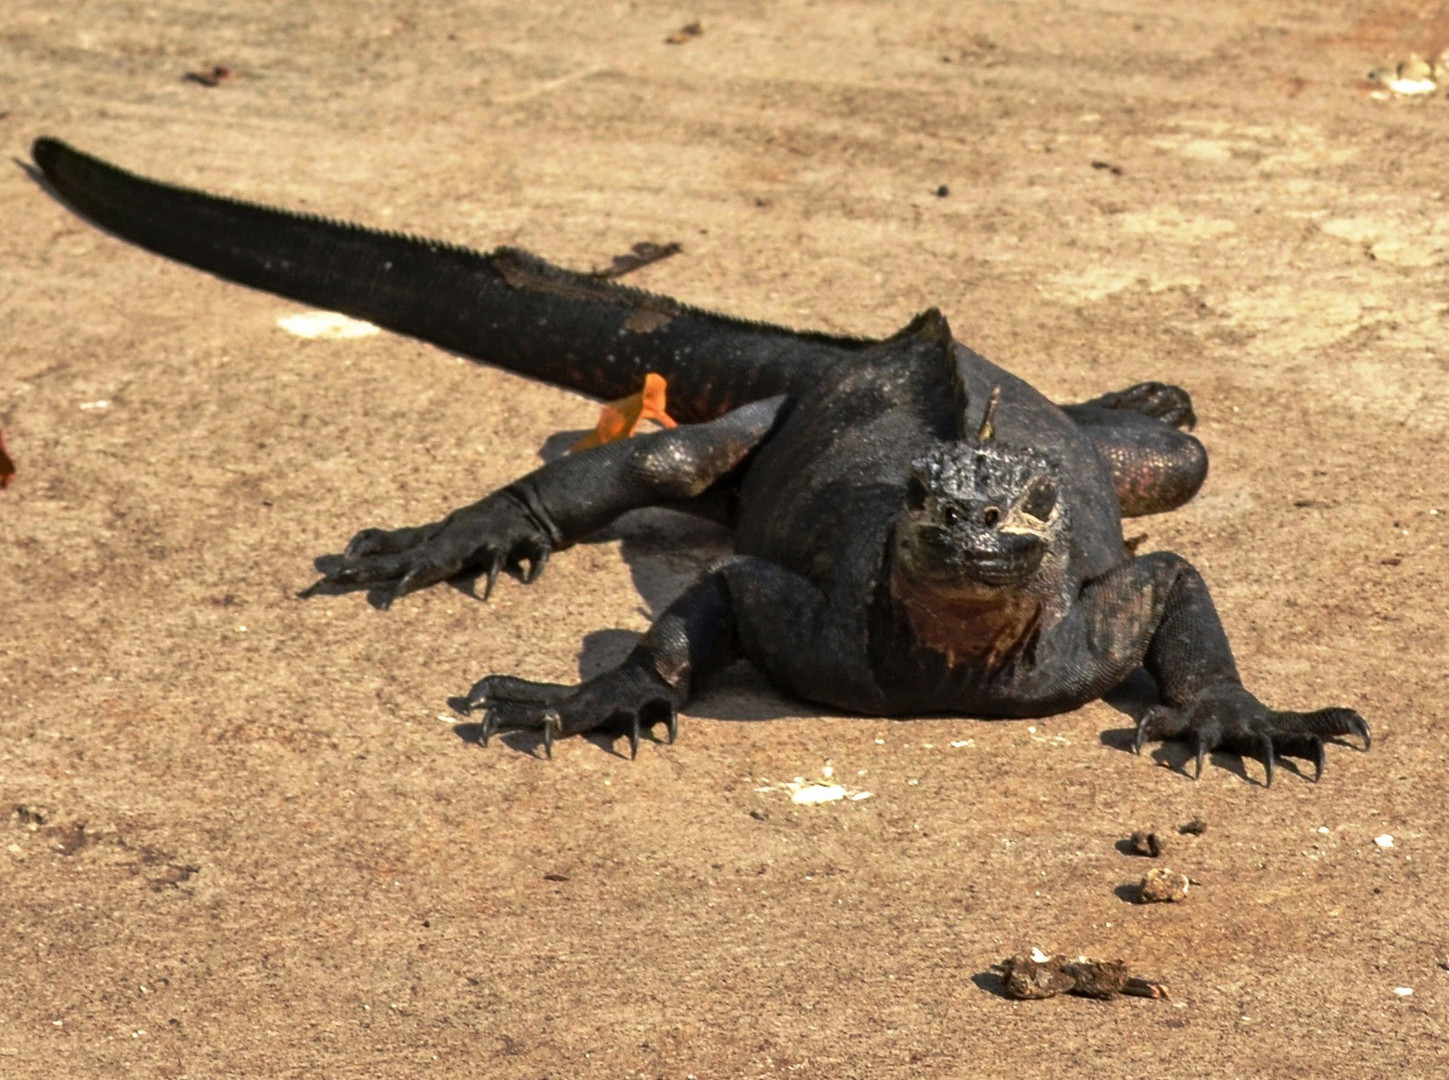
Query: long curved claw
point(1201, 746)
point(672, 723)
point(1318, 758)
point(536, 563)
point(551, 721)
point(361, 544)
point(633, 736)
point(1359, 727)
point(1144, 722)
point(495, 564)
point(372, 542)
point(490, 724)
point(419, 577)
point(1265, 746)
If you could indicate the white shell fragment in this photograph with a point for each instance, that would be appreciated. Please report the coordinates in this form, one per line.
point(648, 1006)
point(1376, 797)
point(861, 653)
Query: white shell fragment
point(1413, 76)
point(1410, 87)
point(1404, 991)
point(326, 325)
point(805, 792)
point(817, 793)
point(1385, 841)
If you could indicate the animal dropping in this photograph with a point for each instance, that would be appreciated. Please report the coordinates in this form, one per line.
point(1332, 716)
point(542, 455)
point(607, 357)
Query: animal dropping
point(916, 530)
point(1163, 886)
point(1145, 843)
point(1034, 976)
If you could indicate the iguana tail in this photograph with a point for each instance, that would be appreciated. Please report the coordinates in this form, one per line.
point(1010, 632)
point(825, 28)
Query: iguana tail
point(505, 307)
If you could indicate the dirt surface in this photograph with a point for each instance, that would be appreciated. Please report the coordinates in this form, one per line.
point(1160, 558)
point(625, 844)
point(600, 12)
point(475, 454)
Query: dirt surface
point(241, 832)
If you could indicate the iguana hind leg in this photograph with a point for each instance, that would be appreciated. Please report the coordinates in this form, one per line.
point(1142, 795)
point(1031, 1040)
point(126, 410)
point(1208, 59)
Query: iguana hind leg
point(1155, 467)
point(556, 506)
point(1157, 401)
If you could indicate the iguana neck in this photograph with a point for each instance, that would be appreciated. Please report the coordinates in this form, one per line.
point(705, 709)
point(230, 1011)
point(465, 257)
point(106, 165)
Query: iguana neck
point(983, 627)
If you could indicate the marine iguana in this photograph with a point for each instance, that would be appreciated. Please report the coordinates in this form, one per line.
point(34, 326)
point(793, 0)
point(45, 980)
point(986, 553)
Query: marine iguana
point(916, 530)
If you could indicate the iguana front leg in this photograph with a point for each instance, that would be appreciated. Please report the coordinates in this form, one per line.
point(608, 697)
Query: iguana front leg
point(743, 607)
point(557, 505)
point(1156, 611)
point(694, 637)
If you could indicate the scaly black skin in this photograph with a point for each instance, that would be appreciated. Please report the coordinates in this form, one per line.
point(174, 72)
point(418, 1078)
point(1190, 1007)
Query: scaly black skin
point(917, 531)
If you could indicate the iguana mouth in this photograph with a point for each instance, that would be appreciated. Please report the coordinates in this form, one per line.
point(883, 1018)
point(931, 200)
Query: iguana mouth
point(969, 573)
point(999, 568)
point(950, 563)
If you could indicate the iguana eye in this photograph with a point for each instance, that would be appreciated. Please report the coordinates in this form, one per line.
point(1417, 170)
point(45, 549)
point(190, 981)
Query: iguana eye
point(1040, 500)
point(991, 517)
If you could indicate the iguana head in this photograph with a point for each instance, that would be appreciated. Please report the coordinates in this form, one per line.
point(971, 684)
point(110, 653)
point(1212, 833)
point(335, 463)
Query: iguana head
point(979, 517)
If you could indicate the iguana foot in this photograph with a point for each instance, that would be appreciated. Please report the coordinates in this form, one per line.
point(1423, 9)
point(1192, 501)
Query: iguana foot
point(626, 700)
point(1161, 401)
point(487, 536)
point(1230, 718)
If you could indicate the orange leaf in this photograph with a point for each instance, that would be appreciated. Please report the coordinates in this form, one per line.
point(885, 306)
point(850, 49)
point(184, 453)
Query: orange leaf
point(621, 419)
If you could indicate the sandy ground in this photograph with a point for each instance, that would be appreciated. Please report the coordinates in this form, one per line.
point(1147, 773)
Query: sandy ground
point(241, 833)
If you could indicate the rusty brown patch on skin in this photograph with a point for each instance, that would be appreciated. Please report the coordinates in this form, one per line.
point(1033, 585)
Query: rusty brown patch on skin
point(647, 321)
point(647, 312)
point(990, 626)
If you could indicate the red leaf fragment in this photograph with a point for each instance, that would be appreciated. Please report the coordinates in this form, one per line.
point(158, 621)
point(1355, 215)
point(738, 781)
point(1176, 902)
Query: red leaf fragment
point(212, 76)
point(7, 466)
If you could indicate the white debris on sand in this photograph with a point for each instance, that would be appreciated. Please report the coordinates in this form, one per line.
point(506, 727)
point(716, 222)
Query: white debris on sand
point(325, 325)
point(813, 792)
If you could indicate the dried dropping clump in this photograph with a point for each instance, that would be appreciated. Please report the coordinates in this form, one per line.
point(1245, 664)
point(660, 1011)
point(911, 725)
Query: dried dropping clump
point(209, 77)
point(686, 33)
point(1031, 977)
point(1146, 843)
point(1163, 886)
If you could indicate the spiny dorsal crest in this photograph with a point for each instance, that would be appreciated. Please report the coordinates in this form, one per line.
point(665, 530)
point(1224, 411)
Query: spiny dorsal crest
point(966, 473)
